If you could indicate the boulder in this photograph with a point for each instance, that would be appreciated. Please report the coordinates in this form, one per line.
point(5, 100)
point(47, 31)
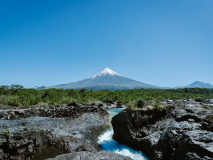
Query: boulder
point(179, 131)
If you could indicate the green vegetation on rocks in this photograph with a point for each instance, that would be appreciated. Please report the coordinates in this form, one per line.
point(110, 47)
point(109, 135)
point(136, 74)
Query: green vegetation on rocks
point(140, 103)
point(16, 95)
point(7, 133)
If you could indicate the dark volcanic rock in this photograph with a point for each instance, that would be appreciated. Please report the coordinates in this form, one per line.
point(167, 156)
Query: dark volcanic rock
point(41, 133)
point(196, 142)
point(32, 143)
point(181, 130)
point(23, 144)
point(71, 110)
point(104, 155)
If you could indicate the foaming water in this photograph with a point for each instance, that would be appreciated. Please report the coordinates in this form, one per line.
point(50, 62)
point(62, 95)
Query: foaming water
point(107, 142)
point(114, 112)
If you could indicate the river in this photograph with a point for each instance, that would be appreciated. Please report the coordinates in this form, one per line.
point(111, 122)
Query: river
point(107, 142)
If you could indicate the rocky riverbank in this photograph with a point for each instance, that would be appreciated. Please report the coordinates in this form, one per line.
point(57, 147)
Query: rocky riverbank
point(178, 130)
point(45, 132)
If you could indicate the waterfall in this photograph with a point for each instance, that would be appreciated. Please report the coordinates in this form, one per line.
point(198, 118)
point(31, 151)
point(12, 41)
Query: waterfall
point(107, 142)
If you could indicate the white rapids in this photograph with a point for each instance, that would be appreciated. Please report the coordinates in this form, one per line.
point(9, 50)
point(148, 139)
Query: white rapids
point(107, 142)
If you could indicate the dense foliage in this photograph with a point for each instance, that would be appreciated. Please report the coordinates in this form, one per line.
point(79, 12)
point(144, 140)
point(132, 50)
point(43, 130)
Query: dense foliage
point(140, 102)
point(16, 95)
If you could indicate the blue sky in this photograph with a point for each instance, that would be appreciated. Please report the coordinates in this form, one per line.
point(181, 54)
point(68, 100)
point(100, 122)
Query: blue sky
point(160, 42)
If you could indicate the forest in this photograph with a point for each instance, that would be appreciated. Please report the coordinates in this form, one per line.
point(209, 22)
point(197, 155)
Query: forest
point(17, 95)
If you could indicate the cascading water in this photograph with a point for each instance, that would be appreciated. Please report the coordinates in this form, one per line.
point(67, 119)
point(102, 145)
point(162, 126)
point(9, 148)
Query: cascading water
point(107, 142)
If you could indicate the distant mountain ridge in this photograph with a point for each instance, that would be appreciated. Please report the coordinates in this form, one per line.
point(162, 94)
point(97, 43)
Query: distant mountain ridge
point(198, 84)
point(106, 79)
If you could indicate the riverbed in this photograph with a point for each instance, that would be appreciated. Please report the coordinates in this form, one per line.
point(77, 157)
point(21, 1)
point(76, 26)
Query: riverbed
point(107, 142)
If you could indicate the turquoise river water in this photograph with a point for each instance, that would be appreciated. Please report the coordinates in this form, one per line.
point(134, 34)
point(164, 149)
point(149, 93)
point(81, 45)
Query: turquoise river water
point(107, 142)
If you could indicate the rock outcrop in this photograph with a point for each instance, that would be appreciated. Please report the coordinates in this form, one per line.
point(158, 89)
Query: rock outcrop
point(181, 130)
point(105, 155)
point(71, 110)
point(45, 132)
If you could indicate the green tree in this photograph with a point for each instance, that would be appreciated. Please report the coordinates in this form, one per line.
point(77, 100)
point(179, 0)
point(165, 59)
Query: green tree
point(140, 103)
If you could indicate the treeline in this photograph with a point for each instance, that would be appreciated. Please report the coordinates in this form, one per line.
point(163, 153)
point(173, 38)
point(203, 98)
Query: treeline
point(17, 95)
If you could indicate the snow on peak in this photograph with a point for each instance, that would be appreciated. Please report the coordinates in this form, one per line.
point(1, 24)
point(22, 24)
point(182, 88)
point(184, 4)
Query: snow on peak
point(105, 72)
point(108, 71)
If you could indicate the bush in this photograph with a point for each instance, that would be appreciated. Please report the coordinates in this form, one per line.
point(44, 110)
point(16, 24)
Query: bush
point(131, 107)
point(157, 104)
point(7, 133)
point(3, 99)
point(199, 99)
point(140, 103)
point(13, 101)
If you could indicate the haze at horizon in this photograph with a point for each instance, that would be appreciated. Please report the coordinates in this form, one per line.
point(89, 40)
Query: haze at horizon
point(163, 43)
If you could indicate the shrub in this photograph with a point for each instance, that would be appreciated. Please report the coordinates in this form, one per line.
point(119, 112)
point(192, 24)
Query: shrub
point(157, 104)
point(7, 133)
point(199, 99)
point(131, 107)
point(140, 103)
point(13, 101)
point(3, 99)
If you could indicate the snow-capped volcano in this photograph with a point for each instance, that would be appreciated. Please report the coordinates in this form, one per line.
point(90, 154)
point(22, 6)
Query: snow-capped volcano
point(105, 72)
point(106, 79)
